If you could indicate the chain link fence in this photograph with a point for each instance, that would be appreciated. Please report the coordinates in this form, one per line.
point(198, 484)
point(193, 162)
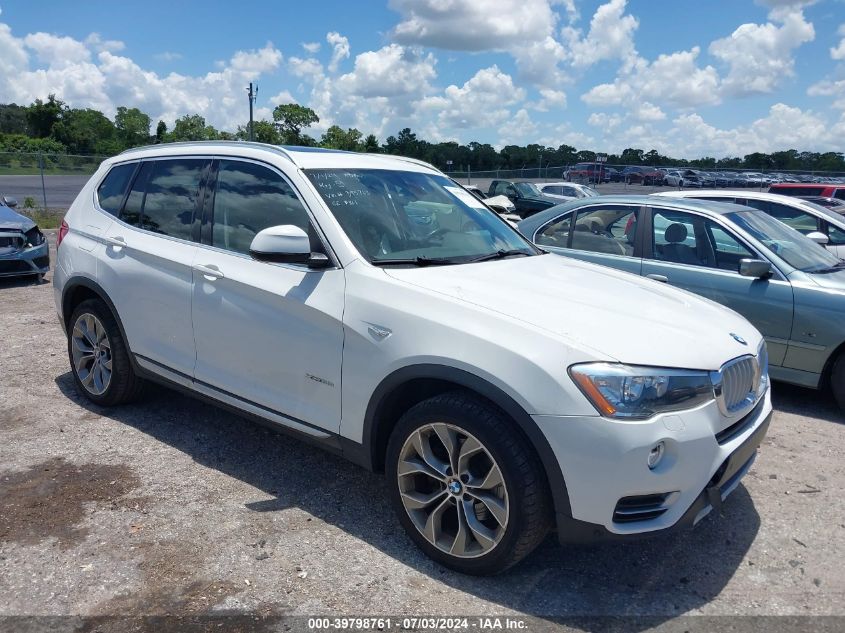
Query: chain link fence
point(44, 184)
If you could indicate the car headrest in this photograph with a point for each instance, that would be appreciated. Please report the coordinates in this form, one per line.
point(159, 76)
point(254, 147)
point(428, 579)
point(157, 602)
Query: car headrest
point(675, 233)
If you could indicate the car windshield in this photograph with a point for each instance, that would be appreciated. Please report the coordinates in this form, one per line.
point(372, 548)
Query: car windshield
point(791, 246)
point(395, 216)
point(589, 192)
point(527, 189)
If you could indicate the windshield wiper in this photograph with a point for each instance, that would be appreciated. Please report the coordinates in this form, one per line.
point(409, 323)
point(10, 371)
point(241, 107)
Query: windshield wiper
point(829, 269)
point(500, 254)
point(414, 261)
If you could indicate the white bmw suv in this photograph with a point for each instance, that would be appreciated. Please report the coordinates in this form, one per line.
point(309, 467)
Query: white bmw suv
point(369, 305)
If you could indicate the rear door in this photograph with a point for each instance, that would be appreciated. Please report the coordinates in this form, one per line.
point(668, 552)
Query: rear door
point(701, 255)
point(146, 265)
point(266, 333)
point(601, 233)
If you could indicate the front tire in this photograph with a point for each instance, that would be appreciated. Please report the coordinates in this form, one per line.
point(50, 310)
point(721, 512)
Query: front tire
point(99, 357)
point(837, 380)
point(466, 485)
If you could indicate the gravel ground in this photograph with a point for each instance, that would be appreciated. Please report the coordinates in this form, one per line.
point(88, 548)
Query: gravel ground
point(172, 506)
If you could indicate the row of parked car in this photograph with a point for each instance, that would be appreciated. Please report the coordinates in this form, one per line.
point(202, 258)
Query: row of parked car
point(658, 176)
point(372, 306)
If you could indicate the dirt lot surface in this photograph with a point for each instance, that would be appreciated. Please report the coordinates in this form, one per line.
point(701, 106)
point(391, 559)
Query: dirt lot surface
point(171, 506)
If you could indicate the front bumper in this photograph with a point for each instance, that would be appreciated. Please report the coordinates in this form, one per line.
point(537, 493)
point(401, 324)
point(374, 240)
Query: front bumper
point(27, 261)
point(605, 461)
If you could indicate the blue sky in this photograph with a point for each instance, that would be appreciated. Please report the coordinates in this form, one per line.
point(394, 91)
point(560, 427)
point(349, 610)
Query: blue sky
point(689, 78)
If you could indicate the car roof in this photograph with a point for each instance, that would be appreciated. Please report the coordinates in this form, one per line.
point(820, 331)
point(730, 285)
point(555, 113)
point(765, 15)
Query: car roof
point(703, 206)
point(790, 201)
point(790, 185)
point(302, 157)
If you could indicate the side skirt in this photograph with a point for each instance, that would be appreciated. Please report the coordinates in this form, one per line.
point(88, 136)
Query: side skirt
point(156, 372)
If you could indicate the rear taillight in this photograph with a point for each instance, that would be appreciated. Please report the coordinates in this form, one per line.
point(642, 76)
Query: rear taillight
point(63, 229)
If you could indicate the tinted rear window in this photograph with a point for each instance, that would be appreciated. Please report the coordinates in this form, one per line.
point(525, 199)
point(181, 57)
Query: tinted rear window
point(111, 191)
point(172, 194)
point(164, 196)
point(797, 191)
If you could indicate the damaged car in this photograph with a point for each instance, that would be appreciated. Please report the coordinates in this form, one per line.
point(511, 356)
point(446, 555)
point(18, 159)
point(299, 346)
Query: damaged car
point(23, 247)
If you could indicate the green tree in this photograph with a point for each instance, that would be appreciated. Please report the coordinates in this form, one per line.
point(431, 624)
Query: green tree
point(263, 132)
point(371, 145)
point(291, 119)
point(133, 126)
point(86, 131)
point(338, 138)
point(41, 116)
point(161, 132)
point(12, 119)
point(192, 127)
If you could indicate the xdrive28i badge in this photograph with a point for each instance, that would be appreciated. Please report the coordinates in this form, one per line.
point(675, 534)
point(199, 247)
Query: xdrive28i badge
point(738, 339)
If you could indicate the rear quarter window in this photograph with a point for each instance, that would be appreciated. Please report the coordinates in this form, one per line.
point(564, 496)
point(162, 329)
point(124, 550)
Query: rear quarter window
point(111, 191)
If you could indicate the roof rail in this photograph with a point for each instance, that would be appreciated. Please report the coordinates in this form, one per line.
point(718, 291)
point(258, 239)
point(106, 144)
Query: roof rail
point(274, 148)
point(415, 161)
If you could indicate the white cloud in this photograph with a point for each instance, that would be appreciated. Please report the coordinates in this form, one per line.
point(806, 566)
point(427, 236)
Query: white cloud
point(168, 56)
point(759, 56)
point(305, 67)
point(690, 136)
point(311, 47)
point(480, 102)
point(550, 99)
point(340, 49)
point(56, 51)
point(390, 71)
point(99, 44)
point(523, 28)
point(89, 73)
point(520, 129)
point(674, 80)
point(830, 88)
point(838, 52)
point(611, 36)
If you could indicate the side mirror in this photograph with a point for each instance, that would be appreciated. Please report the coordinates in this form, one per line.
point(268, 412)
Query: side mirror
point(512, 193)
point(286, 244)
point(819, 238)
point(10, 202)
point(756, 268)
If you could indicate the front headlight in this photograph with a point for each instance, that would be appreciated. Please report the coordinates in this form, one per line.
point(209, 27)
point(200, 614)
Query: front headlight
point(34, 237)
point(763, 364)
point(637, 393)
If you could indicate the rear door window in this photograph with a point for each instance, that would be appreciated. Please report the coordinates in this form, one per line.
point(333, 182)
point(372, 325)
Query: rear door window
point(606, 229)
point(171, 196)
point(112, 190)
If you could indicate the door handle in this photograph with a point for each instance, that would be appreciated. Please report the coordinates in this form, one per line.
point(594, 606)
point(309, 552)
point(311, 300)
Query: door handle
point(661, 278)
point(210, 272)
point(117, 241)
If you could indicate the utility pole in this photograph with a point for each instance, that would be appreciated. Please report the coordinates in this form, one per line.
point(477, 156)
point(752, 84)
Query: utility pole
point(253, 94)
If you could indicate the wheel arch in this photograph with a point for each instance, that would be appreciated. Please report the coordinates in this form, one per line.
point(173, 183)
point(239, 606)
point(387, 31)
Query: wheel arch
point(827, 372)
point(407, 386)
point(79, 289)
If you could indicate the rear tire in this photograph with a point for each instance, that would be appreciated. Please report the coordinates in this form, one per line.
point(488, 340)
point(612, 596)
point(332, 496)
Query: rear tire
point(837, 380)
point(99, 357)
point(478, 507)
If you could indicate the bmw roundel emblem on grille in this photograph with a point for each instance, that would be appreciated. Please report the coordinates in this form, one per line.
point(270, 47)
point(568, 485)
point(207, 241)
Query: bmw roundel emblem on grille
point(738, 339)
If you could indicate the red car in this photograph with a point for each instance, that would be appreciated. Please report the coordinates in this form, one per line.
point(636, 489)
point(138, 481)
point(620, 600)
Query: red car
point(594, 172)
point(809, 189)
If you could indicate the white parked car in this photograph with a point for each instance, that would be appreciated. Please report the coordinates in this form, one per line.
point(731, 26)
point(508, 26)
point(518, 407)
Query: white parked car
point(566, 190)
point(367, 304)
point(819, 223)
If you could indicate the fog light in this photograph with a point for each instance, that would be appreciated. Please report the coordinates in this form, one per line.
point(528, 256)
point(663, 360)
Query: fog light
point(656, 454)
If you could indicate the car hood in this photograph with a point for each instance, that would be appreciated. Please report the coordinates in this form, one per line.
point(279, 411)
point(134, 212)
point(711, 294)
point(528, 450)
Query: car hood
point(831, 281)
point(9, 219)
point(622, 316)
